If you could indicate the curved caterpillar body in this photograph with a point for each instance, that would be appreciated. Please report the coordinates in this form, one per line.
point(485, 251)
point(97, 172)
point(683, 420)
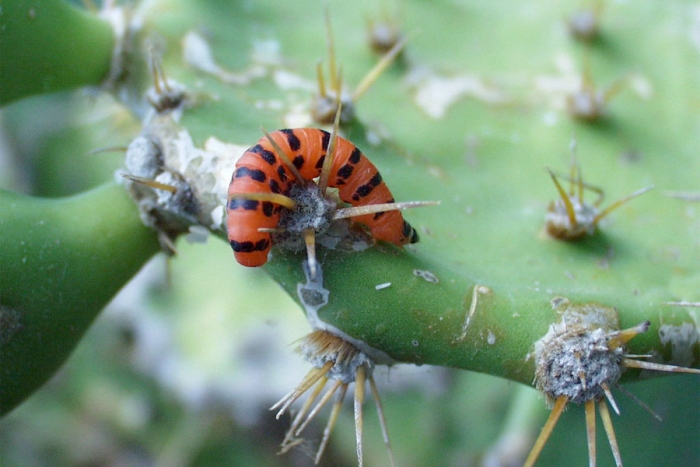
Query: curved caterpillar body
point(260, 170)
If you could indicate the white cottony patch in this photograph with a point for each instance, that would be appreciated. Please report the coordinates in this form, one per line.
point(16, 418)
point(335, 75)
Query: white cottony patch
point(373, 137)
point(182, 201)
point(491, 338)
point(288, 80)
point(144, 157)
point(360, 245)
point(222, 155)
point(228, 151)
point(206, 170)
point(298, 116)
point(557, 87)
point(340, 236)
point(641, 85)
point(198, 234)
point(164, 152)
point(267, 52)
point(217, 216)
point(695, 28)
point(435, 94)
point(197, 53)
point(683, 340)
point(426, 275)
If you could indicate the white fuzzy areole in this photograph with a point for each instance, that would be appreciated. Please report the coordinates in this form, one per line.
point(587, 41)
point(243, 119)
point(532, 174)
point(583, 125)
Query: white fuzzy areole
point(683, 340)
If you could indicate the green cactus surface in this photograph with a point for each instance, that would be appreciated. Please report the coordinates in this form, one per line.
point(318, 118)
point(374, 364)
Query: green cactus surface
point(483, 100)
point(48, 46)
point(62, 261)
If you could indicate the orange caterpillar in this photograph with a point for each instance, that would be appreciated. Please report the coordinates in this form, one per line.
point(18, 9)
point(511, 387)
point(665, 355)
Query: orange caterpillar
point(272, 191)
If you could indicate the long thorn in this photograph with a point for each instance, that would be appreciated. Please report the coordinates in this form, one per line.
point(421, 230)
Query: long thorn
point(272, 229)
point(321, 80)
point(330, 152)
point(382, 420)
point(575, 173)
point(293, 431)
point(590, 431)
point(619, 203)
point(565, 198)
point(359, 401)
point(639, 401)
point(610, 431)
point(150, 183)
point(579, 182)
point(317, 408)
point(311, 377)
point(355, 211)
point(283, 157)
point(310, 240)
point(158, 74)
point(275, 198)
point(378, 69)
point(587, 84)
point(331, 51)
point(586, 186)
point(554, 415)
point(108, 149)
point(285, 447)
point(155, 69)
point(331, 422)
point(620, 338)
point(168, 242)
point(629, 363)
point(609, 396)
point(617, 86)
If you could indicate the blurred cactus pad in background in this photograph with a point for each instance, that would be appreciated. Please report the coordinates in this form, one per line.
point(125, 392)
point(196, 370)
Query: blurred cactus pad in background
point(126, 339)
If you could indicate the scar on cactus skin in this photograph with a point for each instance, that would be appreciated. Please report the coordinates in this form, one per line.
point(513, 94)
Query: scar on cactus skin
point(569, 217)
point(336, 360)
point(325, 104)
point(478, 289)
point(579, 359)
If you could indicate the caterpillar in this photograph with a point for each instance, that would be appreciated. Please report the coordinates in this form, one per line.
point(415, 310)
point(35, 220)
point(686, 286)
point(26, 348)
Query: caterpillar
point(274, 180)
